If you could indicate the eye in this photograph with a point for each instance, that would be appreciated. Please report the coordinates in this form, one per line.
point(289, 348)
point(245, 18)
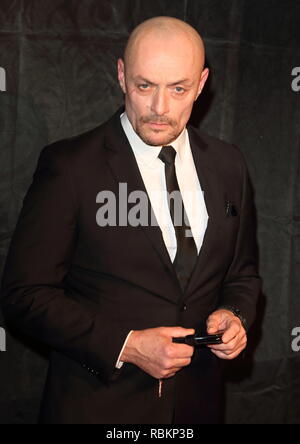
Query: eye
point(179, 89)
point(144, 86)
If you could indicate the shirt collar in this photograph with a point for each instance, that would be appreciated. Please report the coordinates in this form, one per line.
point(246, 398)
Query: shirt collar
point(147, 153)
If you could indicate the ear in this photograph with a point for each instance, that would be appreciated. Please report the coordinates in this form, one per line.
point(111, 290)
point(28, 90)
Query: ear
point(121, 75)
point(204, 77)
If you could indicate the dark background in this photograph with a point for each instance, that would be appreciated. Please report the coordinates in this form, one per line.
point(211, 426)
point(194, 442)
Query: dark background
point(60, 59)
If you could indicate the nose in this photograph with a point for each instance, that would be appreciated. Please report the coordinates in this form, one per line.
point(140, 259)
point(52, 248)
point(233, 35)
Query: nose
point(160, 102)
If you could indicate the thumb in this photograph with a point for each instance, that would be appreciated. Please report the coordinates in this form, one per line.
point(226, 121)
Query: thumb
point(178, 332)
point(212, 326)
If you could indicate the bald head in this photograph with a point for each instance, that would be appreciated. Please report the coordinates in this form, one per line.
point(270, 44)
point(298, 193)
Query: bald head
point(165, 29)
point(162, 76)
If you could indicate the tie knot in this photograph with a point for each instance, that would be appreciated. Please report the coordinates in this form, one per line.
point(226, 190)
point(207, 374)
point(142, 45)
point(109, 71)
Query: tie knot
point(167, 155)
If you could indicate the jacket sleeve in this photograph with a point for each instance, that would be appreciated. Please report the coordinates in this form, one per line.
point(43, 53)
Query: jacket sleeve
point(242, 284)
point(33, 295)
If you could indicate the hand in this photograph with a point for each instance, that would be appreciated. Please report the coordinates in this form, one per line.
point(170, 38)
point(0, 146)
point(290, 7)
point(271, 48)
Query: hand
point(154, 352)
point(234, 337)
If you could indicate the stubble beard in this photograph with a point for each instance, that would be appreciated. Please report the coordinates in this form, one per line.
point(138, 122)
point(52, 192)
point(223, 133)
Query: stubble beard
point(144, 132)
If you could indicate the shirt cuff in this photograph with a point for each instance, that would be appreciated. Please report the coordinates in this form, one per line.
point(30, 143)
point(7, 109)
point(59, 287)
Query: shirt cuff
point(119, 363)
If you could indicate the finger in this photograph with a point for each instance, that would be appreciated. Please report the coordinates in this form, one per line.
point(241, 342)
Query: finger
point(228, 356)
point(228, 350)
point(178, 366)
point(212, 325)
point(236, 342)
point(179, 332)
point(181, 351)
point(170, 372)
point(179, 363)
point(232, 332)
point(178, 353)
point(170, 375)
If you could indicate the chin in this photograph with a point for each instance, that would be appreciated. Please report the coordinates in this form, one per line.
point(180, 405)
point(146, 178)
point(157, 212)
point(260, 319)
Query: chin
point(157, 139)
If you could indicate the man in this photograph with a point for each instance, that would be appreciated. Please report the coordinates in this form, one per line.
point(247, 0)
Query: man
point(109, 298)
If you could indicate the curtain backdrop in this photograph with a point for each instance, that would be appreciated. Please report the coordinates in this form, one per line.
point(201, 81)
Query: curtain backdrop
point(58, 78)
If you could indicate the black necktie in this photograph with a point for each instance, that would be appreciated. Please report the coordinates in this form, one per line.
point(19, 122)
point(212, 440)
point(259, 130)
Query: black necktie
point(186, 255)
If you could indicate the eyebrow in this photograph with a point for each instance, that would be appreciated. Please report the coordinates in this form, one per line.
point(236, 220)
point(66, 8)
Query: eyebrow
point(179, 82)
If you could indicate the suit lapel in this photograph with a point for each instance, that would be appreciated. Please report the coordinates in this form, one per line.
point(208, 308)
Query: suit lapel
point(210, 185)
point(124, 168)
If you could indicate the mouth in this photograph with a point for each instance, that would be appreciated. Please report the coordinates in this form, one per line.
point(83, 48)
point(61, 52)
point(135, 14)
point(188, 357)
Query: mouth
point(156, 125)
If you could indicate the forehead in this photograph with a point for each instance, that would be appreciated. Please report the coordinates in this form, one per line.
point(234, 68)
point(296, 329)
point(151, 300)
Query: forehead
point(166, 57)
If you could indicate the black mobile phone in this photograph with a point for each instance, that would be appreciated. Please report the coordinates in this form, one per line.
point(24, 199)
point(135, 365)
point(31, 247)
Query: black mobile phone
point(197, 339)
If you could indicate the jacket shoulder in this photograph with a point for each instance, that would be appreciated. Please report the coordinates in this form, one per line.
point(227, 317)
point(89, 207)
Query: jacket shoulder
point(76, 147)
point(84, 147)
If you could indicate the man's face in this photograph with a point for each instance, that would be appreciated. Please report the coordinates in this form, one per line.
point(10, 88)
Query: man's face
point(161, 81)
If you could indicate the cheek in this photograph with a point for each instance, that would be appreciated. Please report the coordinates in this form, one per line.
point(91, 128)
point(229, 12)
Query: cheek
point(135, 108)
point(184, 112)
point(138, 104)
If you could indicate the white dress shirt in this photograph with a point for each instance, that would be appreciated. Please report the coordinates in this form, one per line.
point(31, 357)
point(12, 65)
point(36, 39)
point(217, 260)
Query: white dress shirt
point(152, 170)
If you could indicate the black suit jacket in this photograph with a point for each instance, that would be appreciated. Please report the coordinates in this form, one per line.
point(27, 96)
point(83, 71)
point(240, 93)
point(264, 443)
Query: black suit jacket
point(80, 288)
